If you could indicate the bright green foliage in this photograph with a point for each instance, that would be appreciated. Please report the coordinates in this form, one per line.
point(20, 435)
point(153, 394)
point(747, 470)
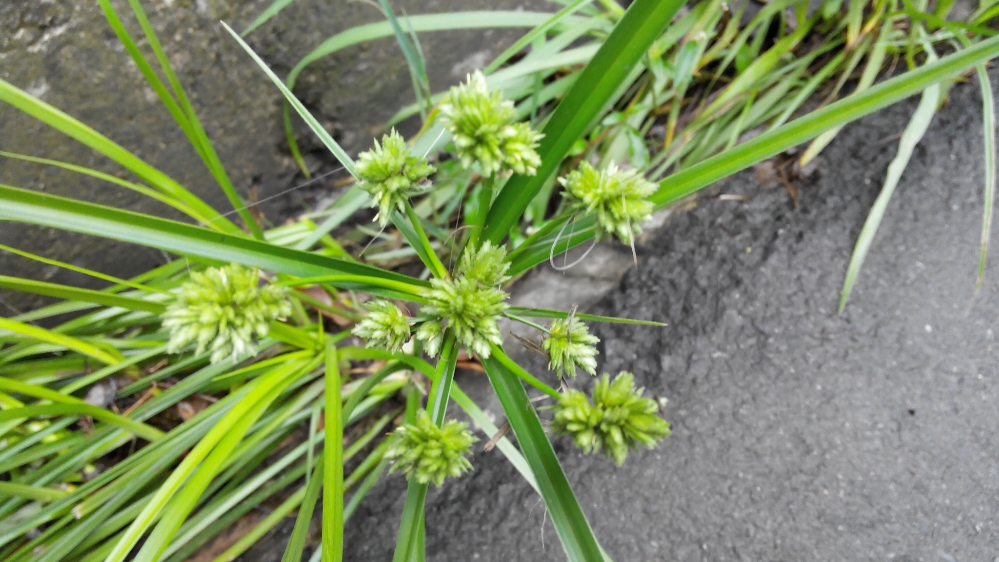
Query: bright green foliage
point(429, 453)
point(618, 419)
point(391, 174)
point(470, 302)
point(225, 311)
point(385, 327)
point(618, 198)
point(484, 131)
point(569, 345)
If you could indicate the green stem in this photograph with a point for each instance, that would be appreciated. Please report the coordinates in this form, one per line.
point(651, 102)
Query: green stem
point(333, 455)
point(478, 220)
point(516, 369)
point(435, 265)
point(409, 542)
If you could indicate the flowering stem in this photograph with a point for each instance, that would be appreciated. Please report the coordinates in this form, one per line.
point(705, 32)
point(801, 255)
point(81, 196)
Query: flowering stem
point(409, 543)
point(441, 389)
point(478, 221)
point(435, 265)
point(526, 322)
point(522, 374)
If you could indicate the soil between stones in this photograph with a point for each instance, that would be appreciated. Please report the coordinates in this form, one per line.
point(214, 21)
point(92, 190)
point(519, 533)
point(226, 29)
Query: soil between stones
point(797, 434)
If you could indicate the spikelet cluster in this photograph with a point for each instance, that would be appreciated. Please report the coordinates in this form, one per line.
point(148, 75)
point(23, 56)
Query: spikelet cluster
point(427, 453)
point(618, 198)
point(385, 326)
point(483, 128)
point(569, 345)
point(225, 311)
point(617, 420)
point(469, 302)
point(391, 174)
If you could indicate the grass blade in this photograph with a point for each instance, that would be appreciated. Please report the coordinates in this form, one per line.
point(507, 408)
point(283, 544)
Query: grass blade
point(333, 459)
point(875, 61)
point(345, 160)
point(409, 541)
point(140, 429)
point(91, 138)
point(420, 23)
point(914, 131)
point(641, 25)
point(504, 445)
point(267, 14)
point(81, 295)
point(538, 31)
point(30, 492)
point(989, 138)
point(60, 340)
point(414, 58)
point(151, 193)
point(187, 119)
point(67, 214)
point(175, 498)
point(570, 523)
point(547, 313)
point(848, 109)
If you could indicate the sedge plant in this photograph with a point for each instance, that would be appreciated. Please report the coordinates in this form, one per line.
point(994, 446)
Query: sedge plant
point(258, 365)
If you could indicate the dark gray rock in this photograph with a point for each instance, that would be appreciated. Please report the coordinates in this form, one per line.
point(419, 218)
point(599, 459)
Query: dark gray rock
point(798, 434)
point(65, 53)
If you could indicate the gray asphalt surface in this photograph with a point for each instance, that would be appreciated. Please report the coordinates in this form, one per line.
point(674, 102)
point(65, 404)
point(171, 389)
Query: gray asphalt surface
point(798, 434)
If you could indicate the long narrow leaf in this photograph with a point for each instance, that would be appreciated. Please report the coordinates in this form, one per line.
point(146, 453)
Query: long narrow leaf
point(911, 136)
point(848, 109)
point(82, 295)
point(91, 138)
point(267, 14)
point(345, 160)
point(147, 432)
point(188, 120)
point(333, 459)
point(67, 214)
point(989, 143)
point(641, 25)
point(59, 340)
point(570, 523)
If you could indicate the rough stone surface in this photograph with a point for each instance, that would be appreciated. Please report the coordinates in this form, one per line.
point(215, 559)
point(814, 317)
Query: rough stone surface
point(64, 52)
point(798, 434)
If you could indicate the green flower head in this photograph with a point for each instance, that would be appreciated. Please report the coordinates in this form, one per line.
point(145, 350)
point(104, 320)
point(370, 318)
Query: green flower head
point(570, 345)
point(617, 420)
point(470, 302)
point(385, 326)
point(391, 174)
point(428, 453)
point(225, 311)
point(482, 125)
point(486, 264)
point(431, 333)
point(619, 198)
